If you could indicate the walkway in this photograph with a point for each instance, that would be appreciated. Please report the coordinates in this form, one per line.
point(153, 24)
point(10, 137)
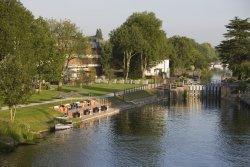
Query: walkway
point(57, 100)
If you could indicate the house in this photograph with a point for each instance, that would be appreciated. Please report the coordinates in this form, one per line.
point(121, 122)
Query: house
point(89, 61)
point(218, 65)
point(161, 68)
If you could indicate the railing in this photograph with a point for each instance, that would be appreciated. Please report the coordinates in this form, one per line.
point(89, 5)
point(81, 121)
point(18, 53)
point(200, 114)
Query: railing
point(136, 89)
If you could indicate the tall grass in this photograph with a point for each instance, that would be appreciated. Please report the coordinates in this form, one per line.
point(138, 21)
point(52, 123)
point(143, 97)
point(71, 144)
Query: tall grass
point(20, 133)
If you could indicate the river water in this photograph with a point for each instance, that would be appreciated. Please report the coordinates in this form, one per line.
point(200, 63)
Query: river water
point(196, 133)
point(200, 132)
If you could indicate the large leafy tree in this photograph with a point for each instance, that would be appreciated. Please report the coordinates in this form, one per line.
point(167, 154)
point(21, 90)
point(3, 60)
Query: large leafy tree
point(46, 59)
point(69, 40)
point(140, 39)
point(16, 53)
point(235, 50)
point(126, 41)
point(15, 31)
point(15, 84)
point(153, 44)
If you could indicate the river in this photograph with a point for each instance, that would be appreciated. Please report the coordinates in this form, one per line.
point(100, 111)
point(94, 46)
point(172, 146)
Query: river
point(200, 132)
point(197, 133)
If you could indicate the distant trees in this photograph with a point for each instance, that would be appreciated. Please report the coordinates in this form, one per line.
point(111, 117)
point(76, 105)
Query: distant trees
point(187, 53)
point(235, 50)
point(140, 43)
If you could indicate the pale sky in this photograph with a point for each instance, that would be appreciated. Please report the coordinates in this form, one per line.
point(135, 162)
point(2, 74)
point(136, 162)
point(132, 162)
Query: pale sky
point(202, 20)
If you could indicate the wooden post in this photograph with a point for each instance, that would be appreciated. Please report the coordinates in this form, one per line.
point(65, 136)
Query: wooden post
point(124, 91)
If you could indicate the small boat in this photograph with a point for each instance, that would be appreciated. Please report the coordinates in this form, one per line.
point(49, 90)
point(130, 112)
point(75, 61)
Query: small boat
point(63, 126)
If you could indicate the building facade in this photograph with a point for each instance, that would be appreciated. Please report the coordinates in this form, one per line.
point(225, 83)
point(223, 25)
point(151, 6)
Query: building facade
point(161, 68)
point(86, 63)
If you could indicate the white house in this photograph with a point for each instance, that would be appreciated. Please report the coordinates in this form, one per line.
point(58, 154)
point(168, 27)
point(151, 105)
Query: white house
point(162, 67)
point(218, 65)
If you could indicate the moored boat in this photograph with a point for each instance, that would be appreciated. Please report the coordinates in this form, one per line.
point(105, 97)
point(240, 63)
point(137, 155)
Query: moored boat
point(63, 126)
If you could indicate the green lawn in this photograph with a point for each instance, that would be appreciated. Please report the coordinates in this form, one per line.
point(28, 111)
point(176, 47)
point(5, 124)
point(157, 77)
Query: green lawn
point(94, 90)
point(39, 118)
point(44, 95)
point(97, 89)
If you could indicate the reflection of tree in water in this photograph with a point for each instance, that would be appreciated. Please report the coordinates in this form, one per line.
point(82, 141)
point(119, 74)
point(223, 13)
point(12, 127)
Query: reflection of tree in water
point(138, 134)
point(234, 119)
point(234, 132)
point(148, 120)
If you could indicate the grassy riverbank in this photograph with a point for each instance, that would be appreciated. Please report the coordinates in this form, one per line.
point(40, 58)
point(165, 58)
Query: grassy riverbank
point(138, 95)
point(37, 118)
point(85, 90)
point(29, 121)
point(97, 89)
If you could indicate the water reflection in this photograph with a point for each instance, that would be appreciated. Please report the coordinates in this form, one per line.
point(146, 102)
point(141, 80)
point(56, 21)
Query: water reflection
point(198, 132)
point(234, 134)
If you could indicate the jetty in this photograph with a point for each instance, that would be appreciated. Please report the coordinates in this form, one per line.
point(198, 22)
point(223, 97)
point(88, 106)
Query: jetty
point(87, 110)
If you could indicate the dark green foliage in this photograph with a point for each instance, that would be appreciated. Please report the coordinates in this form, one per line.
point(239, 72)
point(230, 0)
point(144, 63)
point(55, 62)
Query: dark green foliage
point(106, 57)
point(187, 53)
point(70, 42)
point(15, 83)
point(15, 31)
point(16, 52)
point(235, 50)
point(141, 39)
point(47, 60)
point(98, 34)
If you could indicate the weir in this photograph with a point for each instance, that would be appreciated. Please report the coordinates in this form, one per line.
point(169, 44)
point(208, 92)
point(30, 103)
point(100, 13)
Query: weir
point(190, 90)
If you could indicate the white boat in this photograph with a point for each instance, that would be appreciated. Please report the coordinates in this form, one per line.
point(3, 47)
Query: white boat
point(63, 126)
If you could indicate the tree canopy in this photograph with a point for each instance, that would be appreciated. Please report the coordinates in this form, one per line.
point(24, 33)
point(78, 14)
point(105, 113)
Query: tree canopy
point(140, 38)
point(187, 53)
point(234, 51)
point(70, 42)
point(98, 34)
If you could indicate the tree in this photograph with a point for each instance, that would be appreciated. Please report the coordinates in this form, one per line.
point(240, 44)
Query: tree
point(126, 40)
point(46, 59)
point(153, 45)
point(187, 52)
point(209, 52)
point(15, 84)
point(69, 40)
point(235, 50)
point(139, 36)
point(15, 31)
point(106, 57)
point(98, 34)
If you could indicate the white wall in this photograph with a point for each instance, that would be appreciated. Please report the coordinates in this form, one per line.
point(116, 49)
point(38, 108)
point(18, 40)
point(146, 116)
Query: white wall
point(163, 67)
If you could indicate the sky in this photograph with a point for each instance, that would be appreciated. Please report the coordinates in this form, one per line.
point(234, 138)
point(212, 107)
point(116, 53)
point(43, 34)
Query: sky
point(202, 20)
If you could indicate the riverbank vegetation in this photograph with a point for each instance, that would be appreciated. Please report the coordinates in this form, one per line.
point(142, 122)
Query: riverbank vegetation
point(35, 52)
